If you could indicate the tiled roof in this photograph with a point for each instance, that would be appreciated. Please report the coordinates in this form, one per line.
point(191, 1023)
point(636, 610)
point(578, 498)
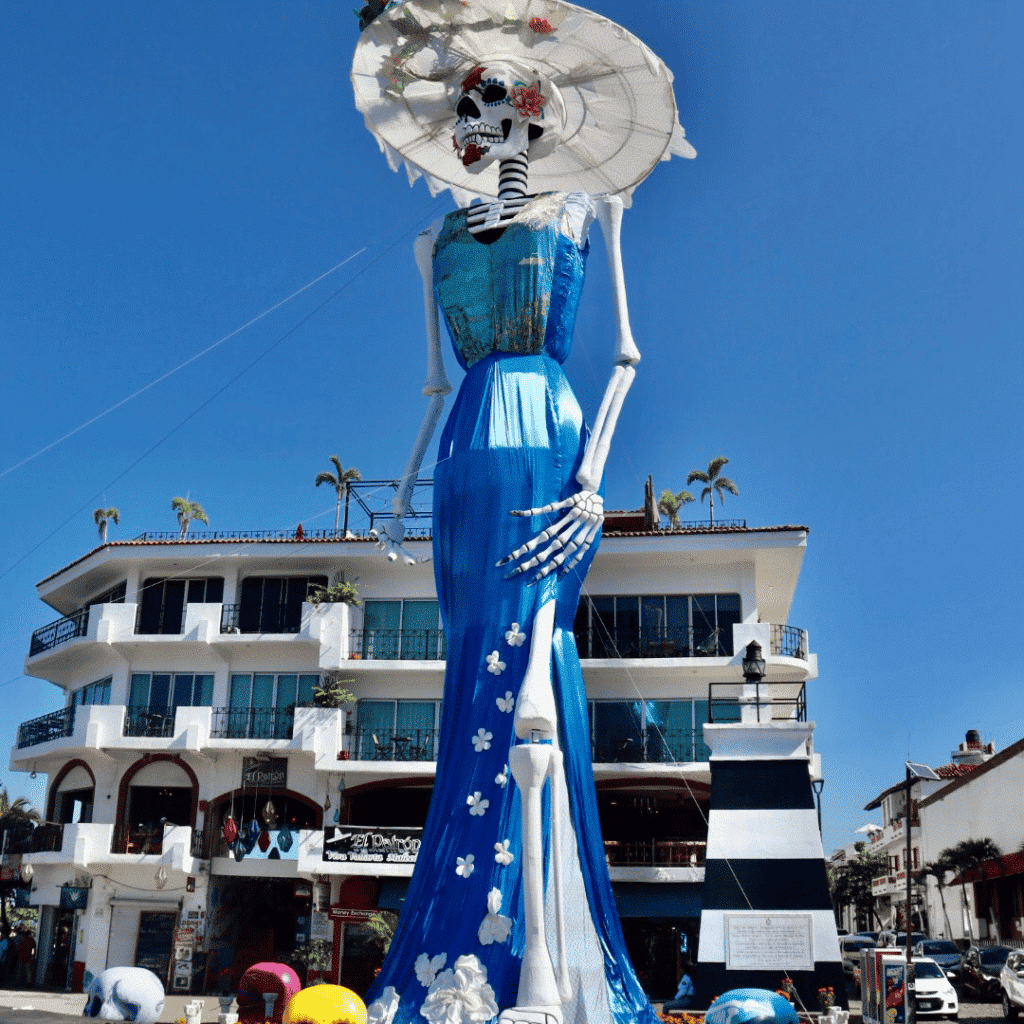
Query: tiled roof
point(954, 771)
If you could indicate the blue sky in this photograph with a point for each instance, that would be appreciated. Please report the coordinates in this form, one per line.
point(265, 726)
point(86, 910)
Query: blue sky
point(826, 295)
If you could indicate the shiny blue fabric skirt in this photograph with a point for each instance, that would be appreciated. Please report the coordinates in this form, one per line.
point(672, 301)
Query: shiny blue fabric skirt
point(514, 440)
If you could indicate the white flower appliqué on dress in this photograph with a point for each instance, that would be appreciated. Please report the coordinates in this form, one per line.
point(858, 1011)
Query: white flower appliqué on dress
point(502, 777)
point(502, 854)
point(495, 664)
point(384, 1009)
point(477, 804)
point(495, 927)
point(427, 968)
point(464, 865)
point(506, 703)
point(513, 637)
point(460, 996)
point(482, 740)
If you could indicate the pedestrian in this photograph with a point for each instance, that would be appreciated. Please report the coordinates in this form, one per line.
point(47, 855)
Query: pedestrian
point(684, 994)
point(26, 958)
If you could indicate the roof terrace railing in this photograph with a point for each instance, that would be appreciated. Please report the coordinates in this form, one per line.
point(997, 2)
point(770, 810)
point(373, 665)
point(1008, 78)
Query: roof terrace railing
point(55, 725)
point(47, 637)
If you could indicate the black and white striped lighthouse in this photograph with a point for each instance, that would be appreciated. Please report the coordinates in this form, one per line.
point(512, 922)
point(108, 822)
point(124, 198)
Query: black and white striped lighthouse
point(766, 907)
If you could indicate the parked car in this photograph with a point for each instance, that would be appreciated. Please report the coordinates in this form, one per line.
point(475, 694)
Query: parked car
point(871, 935)
point(979, 975)
point(934, 996)
point(944, 953)
point(1011, 985)
point(899, 939)
point(851, 945)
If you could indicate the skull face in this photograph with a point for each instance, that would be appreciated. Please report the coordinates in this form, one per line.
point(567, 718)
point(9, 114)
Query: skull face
point(490, 121)
point(126, 993)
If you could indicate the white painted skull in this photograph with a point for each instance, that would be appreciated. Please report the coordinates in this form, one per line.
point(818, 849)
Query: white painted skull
point(126, 993)
point(495, 108)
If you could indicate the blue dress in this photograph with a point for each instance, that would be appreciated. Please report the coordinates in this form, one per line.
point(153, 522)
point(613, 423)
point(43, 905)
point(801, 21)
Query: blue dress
point(514, 440)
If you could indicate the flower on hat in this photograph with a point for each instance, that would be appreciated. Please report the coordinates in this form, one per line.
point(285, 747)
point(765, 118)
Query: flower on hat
point(473, 79)
point(472, 154)
point(527, 99)
point(541, 26)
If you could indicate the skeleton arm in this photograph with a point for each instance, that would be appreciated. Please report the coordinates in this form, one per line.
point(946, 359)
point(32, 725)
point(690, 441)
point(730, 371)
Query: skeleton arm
point(435, 388)
point(569, 539)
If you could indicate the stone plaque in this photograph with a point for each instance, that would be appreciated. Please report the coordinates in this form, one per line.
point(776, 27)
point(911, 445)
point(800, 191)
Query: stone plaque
point(769, 942)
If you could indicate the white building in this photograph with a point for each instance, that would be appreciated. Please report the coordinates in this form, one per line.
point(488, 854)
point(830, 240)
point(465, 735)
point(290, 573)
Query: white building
point(181, 662)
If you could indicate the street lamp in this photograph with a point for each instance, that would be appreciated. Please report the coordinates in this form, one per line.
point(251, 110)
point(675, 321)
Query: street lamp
point(753, 672)
point(914, 771)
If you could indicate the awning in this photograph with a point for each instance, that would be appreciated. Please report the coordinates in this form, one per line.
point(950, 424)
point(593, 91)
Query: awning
point(1008, 864)
point(657, 899)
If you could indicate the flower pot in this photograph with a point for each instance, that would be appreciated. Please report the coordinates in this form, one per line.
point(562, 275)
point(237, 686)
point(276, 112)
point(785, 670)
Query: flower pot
point(343, 755)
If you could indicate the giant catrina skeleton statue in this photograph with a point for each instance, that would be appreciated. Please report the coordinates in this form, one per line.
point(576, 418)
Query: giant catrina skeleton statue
point(551, 115)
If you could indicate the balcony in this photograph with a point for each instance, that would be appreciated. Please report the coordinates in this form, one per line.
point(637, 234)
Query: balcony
point(56, 725)
point(682, 642)
point(392, 745)
point(669, 746)
point(788, 642)
point(397, 645)
point(152, 722)
point(60, 632)
point(252, 723)
point(678, 853)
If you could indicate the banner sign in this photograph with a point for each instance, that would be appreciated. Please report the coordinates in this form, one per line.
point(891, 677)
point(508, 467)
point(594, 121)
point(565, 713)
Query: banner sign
point(265, 773)
point(364, 843)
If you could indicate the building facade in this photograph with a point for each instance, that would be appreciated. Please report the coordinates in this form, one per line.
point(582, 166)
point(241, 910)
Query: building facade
point(203, 813)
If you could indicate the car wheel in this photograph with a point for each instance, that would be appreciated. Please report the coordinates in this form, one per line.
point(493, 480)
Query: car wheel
point(1009, 1009)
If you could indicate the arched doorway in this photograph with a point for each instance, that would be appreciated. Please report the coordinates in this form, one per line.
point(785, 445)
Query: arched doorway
point(72, 794)
point(159, 790)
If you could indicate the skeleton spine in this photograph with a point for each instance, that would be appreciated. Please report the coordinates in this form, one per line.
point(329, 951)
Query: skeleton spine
point(512, 176)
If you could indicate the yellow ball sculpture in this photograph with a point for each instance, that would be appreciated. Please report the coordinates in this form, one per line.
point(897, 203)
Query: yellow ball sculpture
point(325, 1004)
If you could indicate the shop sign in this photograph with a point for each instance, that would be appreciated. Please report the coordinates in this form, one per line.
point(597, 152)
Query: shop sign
point(320, 929)
point(264, 772)
point(350, 915)
point(376, 845)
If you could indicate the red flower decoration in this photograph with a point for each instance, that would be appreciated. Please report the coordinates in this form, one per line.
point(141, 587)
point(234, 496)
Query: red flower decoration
point(541, 26)
point(472, 154)
point(473, 79)
point(527, 99)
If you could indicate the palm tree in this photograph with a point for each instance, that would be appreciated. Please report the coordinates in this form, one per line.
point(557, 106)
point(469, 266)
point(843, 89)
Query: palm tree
point(341, 481)
point(101, 516)
point(187, 511)
point(715, 483)
point(937, 869)
point(669, 505)
point(16, 816)
point(965, 856)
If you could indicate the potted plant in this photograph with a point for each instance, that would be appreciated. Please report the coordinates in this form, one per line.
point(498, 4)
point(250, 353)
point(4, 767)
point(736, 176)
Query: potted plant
point(336, 593)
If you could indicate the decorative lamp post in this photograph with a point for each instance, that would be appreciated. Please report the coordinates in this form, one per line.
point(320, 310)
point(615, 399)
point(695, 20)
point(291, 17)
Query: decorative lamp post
point(914, 771)
point(753, 673)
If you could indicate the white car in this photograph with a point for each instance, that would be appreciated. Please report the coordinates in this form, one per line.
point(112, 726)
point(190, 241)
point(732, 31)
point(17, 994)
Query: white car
point(934, 996)
point(1011, 985)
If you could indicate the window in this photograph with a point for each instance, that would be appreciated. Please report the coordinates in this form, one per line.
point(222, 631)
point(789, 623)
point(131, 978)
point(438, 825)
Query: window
point(115, 595)
point(94, 693)
point(263, 704)
point(273, 604)
point(397, 730)
point(656, 626)
point(652, 731)
point(403, 630)
point(162, 602)
point(154, 697)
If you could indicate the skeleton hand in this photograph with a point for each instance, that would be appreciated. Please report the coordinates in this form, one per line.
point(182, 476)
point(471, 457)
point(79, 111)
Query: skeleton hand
point(567, 541)
point(391, 542)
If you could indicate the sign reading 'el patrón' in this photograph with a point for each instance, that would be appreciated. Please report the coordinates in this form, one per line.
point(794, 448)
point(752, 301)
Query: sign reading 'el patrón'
point(367, 844)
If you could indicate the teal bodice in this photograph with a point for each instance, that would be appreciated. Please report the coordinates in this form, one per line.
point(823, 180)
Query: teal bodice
point(518, 294)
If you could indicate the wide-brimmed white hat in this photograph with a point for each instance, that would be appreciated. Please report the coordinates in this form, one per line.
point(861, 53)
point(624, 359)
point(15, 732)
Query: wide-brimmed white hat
point(620, 115)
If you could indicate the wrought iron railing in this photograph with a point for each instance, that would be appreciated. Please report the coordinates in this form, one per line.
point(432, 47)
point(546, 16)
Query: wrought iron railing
point(155, 722)
point(650, 746)
point(252, 723)
point(234, 619)
point(771, 703)
point(718, 524)
point(417, 533)
point(789, 641)
point(60, 632)
point(197, 848)
point(396, 744)
point(398, 644)
point(681, 642)
point(54, 726)
point(655, 852)
point(48, 837)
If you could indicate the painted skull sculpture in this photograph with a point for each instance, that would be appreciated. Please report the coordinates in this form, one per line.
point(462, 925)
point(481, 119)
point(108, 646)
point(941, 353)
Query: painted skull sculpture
point(500, 111)
point(262, 979)
point(126, 993)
